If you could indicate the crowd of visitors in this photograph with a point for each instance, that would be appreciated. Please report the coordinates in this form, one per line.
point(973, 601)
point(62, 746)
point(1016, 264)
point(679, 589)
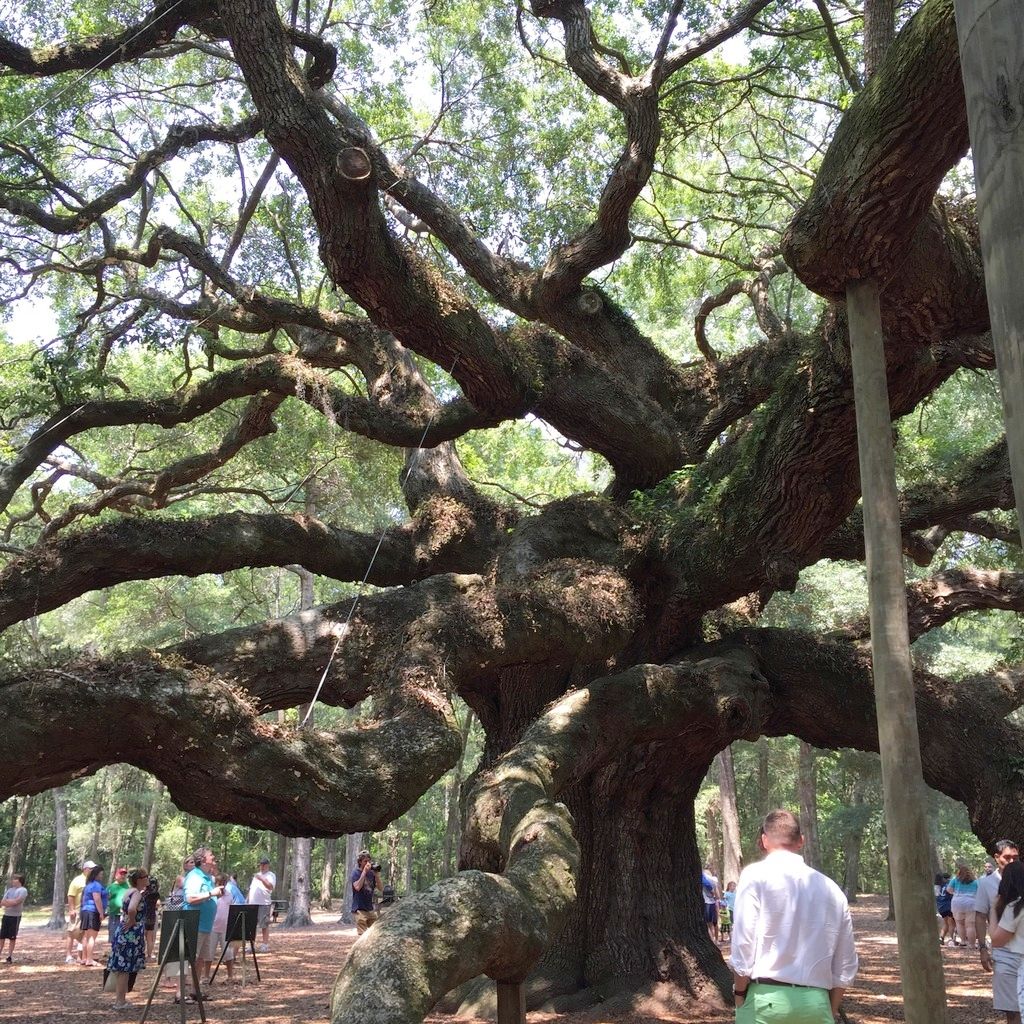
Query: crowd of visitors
point(129, 906)
point(800, 974)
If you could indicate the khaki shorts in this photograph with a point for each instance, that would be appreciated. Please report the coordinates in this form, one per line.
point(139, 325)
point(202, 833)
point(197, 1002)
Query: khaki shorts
point(1004, 980)
point(364, 918)
point(205, 946)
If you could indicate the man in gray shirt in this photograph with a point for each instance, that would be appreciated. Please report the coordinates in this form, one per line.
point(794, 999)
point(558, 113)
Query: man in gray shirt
point(1003, 963)
point(13, 904)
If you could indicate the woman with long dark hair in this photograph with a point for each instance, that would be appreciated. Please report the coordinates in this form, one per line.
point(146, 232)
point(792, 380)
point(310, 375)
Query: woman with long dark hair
point(1009, 933)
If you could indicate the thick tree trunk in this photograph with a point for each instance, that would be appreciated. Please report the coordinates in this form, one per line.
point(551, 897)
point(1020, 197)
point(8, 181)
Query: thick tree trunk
point(732, 849)
point(17, 850)
point(902, 779)
point(60, 877)
point(151, 825)
point(327, 875)
point(992, 62)
point(807, 786)
point(298, 905)
point(637, 832)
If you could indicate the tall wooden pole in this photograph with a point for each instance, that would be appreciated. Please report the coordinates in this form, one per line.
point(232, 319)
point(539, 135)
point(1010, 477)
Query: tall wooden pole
point(991, 34)
point(924, 999)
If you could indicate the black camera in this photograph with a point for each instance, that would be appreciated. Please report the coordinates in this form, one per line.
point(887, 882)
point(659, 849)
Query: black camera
point(375, 867)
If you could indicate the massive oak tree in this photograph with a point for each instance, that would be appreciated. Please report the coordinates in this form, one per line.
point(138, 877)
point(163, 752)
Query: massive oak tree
point(224, 183)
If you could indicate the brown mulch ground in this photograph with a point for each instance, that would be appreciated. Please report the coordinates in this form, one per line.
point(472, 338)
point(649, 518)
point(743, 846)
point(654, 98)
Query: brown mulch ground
point(298, 973)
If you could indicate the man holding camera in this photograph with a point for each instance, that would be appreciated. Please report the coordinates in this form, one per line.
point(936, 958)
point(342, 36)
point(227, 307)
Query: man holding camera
point(365, 879)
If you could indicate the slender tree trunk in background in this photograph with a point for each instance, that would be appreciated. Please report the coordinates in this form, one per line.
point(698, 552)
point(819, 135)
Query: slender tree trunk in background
point(933, 853)
point(151, 825)
point(17, 850)
point(393, 841)
point(298, 907)
point(712, 822)
point(327, 875)
point(992, 62)
point(60, 865)
point(284, 868)
point(115, 852)
point(807, 787)
point(852, 844)
point(98, 817)
point(891, 912)
point(453, 809)
point(299, 915)
point(764, 791)
point(732, 850)
point(879, 32)
point(408, 831)
point(899, 745)
point(353, 844)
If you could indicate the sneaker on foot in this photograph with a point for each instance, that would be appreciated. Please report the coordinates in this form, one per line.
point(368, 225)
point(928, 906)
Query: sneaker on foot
point(70, 960)
point(8, 961)
point(264, 948)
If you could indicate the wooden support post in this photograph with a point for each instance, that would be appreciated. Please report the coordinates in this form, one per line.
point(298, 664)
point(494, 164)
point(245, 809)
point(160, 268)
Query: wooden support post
point(924, 998)
point(991, 34)
point(512, 1002)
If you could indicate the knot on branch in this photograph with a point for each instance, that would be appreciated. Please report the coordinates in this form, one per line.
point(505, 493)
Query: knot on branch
point(589, 302)
point(354, 164)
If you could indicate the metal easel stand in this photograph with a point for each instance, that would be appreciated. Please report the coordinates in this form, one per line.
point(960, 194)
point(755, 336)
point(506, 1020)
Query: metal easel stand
point(179, 933)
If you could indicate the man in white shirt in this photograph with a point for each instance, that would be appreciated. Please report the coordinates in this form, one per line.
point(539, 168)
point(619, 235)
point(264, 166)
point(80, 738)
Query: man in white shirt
point(260, 890)
point(1003, 963)
point(792, 942)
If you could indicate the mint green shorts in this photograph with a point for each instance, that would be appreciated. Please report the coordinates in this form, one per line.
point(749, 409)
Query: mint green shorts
point(783, 1004)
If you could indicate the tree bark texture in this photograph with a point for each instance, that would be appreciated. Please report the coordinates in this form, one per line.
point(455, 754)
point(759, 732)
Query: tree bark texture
point(992, 61)
point(906, 823)
point(299, 915)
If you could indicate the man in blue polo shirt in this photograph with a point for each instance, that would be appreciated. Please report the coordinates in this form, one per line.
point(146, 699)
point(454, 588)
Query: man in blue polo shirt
point(201, 895)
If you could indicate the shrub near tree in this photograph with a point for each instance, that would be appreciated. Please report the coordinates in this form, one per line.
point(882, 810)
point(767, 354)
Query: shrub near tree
point(263, 252)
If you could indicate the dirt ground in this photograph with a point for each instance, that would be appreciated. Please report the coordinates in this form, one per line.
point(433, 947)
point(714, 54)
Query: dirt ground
point(302, 964)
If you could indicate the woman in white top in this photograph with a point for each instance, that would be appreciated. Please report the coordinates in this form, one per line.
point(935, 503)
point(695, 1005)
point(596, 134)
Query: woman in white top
point(1009, 933)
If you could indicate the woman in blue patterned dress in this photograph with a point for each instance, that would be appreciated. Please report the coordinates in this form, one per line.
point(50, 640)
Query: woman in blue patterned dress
point(128, 954)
